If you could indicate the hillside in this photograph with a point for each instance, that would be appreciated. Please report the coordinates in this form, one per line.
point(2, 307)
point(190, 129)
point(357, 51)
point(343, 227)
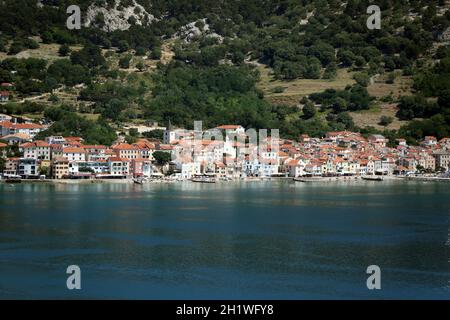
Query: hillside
point(306, 66)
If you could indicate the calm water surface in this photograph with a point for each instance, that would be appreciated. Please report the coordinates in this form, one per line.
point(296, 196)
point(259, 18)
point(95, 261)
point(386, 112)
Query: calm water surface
point(260, 240)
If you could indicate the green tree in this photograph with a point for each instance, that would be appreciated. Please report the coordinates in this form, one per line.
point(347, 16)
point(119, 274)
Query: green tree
point(30, 43)
point(123, 46)
point(44, 171)
point(68, 123)
point(309, 110)
point(385, 121)
point(124, 62)
point(90, 56)
point(443, 52)
point(360, 62)
point(444, 99)
point(53, 98)
point(156, 53)
point(362, 78)
point(130, 139)
point(2, 164)
point(391, 78)
point(345, 119)
point(162, 157)
point(64, 50)
point(15, 48)
point(133, 132)
point(140, 51)
point(63, 71)
point(313, 69)
point(330, 71)
point(140, 66)
point(411, 107)
point(157, 134)
point(346, 57)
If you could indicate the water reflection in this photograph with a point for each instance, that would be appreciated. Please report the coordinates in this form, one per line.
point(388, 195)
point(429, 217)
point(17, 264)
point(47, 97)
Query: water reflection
point(227, 240)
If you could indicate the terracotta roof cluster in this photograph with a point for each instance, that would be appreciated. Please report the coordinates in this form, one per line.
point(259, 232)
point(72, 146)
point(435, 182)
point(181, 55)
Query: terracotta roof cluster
point(96, 147)
point(124, 146)
point(73, 150)
point(22, 136)
point(144, 144)
point(74, 139)
point(35, 144)
point(10, 125)
point(118, 159)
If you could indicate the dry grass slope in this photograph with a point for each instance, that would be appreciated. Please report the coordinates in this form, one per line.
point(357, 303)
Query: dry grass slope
point(296, 89)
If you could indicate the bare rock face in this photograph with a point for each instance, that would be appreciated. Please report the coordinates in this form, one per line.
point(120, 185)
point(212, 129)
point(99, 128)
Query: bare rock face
point(191, 31)
point(445, 36)
point(118, 17)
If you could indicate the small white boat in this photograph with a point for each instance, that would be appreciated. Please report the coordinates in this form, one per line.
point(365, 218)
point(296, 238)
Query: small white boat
point(139, 180)
point(204, 179)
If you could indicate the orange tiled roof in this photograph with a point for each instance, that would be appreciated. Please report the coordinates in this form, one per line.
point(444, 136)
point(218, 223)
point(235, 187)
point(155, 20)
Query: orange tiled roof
point(93, 147)
point(118, 159)
point(292, 163)
point(27, 126)
point(6, 124)
point(165, 147)
point(10, 125)
point(73, 150)
point(123, 146)
point(38, 143)
point(79, 139)
point(144, 144)
point(22, 136)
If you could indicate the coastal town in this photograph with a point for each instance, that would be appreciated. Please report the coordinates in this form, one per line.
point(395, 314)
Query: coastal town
point(336, 154)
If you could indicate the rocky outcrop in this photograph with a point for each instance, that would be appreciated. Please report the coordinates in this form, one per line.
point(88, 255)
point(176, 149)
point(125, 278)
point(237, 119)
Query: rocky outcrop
point(445, 36)
point(118, 17)
point(191, 31)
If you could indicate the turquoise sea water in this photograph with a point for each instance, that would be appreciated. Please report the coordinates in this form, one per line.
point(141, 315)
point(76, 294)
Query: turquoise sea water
point(250, 240)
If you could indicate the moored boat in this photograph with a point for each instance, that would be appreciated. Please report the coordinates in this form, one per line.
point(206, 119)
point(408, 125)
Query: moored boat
point(203, 179)
point(372, 178)
point(13, 179)
point(140, 180)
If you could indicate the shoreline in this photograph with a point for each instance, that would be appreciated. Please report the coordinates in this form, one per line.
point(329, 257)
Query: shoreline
point(274, 179)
